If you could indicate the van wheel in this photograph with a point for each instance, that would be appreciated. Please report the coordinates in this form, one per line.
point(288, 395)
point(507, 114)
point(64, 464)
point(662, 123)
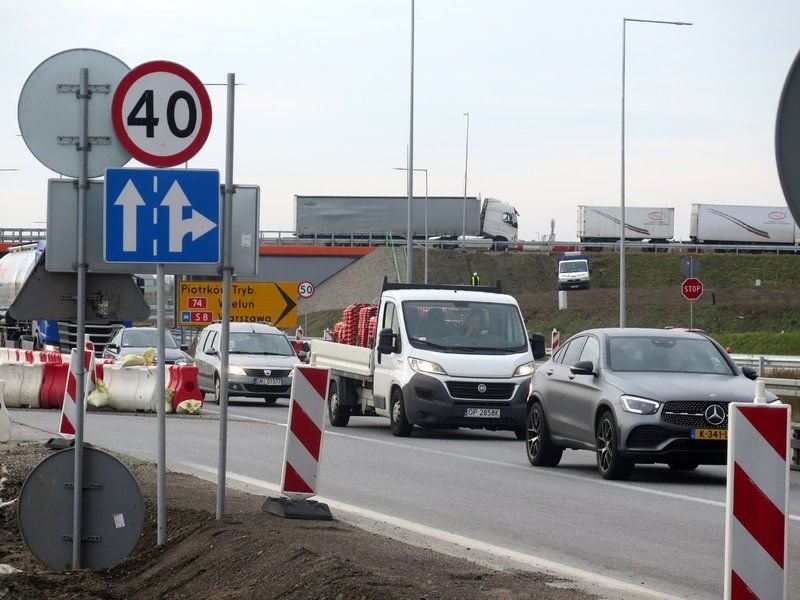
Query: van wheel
point(338, 415)
point(397, 416)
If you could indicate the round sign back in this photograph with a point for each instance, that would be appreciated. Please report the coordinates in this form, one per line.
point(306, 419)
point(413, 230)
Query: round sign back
point(787, 139)
point(49, 112)
point(161, 113)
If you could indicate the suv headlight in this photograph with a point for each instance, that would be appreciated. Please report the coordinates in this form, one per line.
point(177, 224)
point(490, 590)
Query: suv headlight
point(526, 369)
point(234, 370)
point(426, 366)
point(640, 406)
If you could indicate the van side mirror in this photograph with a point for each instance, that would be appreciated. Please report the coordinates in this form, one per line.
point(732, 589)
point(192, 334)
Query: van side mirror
point(750, 373)
point(211, 351)
point(386, 341)
point(184, 347)
point(537, 346)
point(583, 367)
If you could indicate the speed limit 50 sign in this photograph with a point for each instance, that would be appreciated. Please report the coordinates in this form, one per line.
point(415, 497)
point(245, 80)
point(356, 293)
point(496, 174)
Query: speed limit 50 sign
point(161, 113)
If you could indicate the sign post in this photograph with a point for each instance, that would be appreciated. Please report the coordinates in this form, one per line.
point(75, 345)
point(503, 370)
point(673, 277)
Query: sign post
point(692, 289)
point(46, 115)
point(161, 113)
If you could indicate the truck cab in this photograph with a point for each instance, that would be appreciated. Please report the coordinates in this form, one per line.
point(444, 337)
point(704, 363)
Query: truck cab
point(443, 357)
point(499, 221)
point(574, 272)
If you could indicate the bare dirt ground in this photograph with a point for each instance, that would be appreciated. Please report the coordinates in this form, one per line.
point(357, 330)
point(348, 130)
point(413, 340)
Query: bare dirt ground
point(248, 554)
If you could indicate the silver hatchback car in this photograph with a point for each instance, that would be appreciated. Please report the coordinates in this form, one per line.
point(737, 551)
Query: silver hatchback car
point(636, 396)
point(260, 358)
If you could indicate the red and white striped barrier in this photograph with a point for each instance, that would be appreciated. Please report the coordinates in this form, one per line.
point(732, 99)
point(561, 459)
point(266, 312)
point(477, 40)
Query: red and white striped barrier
point(555, 340)
point(304, 432)
point(69, 408)
point(757, 523)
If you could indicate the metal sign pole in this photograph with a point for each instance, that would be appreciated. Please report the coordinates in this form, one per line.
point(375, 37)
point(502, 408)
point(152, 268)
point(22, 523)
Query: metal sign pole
point(161, 483)
point(691, 302)
point(227, 271)
point(83, 185)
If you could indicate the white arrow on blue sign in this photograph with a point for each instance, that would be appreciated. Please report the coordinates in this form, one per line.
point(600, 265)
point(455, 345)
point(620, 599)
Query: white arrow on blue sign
point(162, 216)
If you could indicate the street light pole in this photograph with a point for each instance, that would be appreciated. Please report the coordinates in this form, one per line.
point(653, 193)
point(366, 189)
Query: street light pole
point(622, 275)
point(409, 231)
point(464, 209)
point(426, 216)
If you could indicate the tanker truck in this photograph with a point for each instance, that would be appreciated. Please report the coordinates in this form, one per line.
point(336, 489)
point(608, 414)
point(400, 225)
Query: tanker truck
point(26, 263)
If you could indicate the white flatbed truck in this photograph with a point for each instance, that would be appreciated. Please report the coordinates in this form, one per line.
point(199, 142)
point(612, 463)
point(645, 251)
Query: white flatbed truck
point(444, 356)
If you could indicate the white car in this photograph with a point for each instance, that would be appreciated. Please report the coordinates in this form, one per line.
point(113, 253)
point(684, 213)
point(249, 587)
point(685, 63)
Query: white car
point(260, 356)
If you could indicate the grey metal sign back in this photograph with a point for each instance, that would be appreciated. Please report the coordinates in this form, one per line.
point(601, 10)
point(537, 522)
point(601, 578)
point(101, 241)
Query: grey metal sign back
point(690, 266)
point(53, 296)
point(49, 109)
point(62, 240)
point(113, 510)
point(787, 139)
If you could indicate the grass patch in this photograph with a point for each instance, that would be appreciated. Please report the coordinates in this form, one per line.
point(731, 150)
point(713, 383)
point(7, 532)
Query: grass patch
point(761, 343)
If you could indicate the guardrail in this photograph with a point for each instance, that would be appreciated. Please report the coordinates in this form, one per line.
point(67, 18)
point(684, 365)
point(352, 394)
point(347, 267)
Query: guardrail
point(765, 363)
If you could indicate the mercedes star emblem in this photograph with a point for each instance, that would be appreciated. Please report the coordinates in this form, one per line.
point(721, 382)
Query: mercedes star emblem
point(715, 415)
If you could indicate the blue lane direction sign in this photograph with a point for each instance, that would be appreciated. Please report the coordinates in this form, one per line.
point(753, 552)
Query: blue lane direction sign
point(162, 216)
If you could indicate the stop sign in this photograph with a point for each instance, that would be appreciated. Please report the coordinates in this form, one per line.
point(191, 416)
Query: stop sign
point(692, 288)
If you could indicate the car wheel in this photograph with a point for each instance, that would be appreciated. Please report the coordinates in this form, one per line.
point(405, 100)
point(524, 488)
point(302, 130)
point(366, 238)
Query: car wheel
point(338, 415)
point(397, 416)
point(609, 462)
point(217, 390)
point(683, 465)
point(540, 449)
point(269, 400)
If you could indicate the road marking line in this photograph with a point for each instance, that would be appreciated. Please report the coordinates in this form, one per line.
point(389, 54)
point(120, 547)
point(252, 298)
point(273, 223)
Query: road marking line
point(539, 472)
point(530, 560)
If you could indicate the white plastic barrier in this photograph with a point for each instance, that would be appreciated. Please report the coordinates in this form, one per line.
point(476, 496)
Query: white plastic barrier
point(131, 389)
point(5, 419)
point(31, 386)
point(13, 374)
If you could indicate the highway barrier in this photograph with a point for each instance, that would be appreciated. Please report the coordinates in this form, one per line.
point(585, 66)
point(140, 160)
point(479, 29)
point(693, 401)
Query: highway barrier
point(54, 381)
point(182, 380)
point(12, 374)
point(757, 499)
point(131, 389)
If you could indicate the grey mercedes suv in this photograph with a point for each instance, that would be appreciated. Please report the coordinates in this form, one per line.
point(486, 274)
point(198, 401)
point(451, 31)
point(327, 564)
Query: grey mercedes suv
point(635, 396)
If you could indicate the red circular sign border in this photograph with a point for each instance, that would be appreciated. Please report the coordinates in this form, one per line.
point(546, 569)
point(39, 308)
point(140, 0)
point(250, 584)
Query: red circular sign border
point(312, 293)
point(692, 279)
point(125, 84)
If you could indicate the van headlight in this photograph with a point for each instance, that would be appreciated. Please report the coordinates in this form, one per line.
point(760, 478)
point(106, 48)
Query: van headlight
point(234, 370)
point(640, 406)
point(426, 366)
point(524, 370)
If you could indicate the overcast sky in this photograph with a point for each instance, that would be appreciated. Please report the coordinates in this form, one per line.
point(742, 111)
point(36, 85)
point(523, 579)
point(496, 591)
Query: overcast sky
point(325, 105)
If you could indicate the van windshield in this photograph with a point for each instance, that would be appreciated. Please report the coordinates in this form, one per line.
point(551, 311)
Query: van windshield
point(260, 343)
point(465, 327)
point(573, 266)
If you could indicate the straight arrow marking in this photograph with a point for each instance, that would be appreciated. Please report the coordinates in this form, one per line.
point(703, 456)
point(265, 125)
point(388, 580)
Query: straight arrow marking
point(130, 200)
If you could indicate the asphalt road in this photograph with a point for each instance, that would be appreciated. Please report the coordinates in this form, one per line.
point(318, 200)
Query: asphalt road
point(662, 530)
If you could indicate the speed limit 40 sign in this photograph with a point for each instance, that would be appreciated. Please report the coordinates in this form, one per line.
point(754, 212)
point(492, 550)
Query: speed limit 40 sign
point(161, 113)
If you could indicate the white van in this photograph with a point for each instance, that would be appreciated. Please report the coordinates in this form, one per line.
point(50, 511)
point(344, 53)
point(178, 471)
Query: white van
point(444, 356)
point(260, 357)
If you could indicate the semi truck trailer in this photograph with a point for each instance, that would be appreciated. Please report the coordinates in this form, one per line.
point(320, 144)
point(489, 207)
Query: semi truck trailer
point(602, 223)
point(742, 224)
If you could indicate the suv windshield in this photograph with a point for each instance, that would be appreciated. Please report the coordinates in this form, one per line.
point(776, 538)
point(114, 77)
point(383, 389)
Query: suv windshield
point(462, 327)
point(260, 343)
point(654, 354)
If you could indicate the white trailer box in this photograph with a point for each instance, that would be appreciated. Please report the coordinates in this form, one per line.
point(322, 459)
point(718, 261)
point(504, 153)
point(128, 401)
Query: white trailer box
point(602, 223)
point(729, 224)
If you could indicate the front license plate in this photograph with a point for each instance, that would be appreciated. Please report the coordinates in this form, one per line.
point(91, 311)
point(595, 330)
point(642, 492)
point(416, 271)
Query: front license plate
point(709, 434)
point(267, 381)
point(482, 413)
